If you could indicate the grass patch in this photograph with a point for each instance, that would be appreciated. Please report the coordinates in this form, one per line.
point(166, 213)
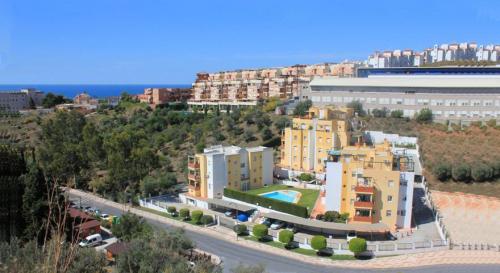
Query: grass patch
point(303, 251)
point(308, 198)
point(164, 214)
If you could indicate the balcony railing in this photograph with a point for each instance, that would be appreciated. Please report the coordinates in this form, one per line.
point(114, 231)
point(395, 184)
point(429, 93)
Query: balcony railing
point(359, 218)
point(364, 189)
point(193, 165)
point(363, 204)
point(194, 177)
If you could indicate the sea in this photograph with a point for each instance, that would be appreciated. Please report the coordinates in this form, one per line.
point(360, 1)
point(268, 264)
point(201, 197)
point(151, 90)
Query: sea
point(95, 90)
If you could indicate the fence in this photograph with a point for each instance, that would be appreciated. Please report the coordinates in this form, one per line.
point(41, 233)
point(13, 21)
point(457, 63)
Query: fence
point(445, 235)
point(302, 185)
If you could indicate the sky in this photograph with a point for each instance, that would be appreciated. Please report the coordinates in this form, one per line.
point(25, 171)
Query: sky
point(168, 42)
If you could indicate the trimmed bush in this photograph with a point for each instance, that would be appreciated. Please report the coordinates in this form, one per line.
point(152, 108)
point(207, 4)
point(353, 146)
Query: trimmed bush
point(240, 229)
point(481, 172)
point(306, 177)
point(461, 172)
point(442, 171)
point(357, 245)
point(318, 242)
point(171, 209)
point(278, 205)
point(196, 216)
point(260, 231)
point(184, 213)
point(285, 236)
point(207, 219)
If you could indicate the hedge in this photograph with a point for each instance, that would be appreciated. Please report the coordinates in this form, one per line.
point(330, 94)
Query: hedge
point(260, 231)
point(318, 242)
point(196, 216)
point(184, 213)
point(357, 245)
point(285, 236)
point(171, 209)
point(278, 205)
point(207, 219)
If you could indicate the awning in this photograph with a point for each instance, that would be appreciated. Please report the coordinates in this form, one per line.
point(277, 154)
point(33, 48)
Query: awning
point(328, 226)
point(229, 204)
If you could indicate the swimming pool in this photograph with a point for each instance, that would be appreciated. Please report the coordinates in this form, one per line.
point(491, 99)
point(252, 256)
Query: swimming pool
point(283, 195)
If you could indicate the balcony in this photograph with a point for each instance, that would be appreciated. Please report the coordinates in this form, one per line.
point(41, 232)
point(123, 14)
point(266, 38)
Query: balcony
point(364, 189)
point(193, 165)
point(194, 177)
point(359, 218)
point(363, 204)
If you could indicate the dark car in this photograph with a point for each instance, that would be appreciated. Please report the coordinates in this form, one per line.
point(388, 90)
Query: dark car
point(292, 245)
point(327, 251)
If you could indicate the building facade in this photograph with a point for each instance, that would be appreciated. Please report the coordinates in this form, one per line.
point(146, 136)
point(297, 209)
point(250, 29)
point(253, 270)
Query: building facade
point(14, 101)
point(233, 167)
point(85, 99)
point(159, 96)
point(374, 184)
point(450, 97)
point(306, 143)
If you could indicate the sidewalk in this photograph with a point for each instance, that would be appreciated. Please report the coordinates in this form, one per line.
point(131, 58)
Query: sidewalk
point(409, 260)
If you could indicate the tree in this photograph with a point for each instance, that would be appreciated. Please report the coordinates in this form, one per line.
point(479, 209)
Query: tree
point(481, 172)
point(318, 242)
point(461, 172)
point(442, 171)
point(357, 245)
point(184, 213)
point(158, 184)
point(302, 107)
point(285, 236)
point(171, 209)
point(196, 216)
point(397, 114)
point(357, 106)
point(267, 134)
point(240, 229)
point(331, 216)
point(424, 116)
point(282, 122)
point(260, 231)
point(131, 226)
point(306, 177)
point(50, 100)
point(249, 136)
point(380, 113)
point(93, 142)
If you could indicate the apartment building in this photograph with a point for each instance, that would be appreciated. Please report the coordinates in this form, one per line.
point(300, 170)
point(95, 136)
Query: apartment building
point(306, 143)
point(85, 98)
point(374, 184)
point(450, 97)
point(14, 101)
point(254, 84)
point(159, 96)
point(233, 167)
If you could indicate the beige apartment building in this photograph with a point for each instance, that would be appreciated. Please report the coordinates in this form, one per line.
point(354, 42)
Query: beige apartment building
point(306, 143)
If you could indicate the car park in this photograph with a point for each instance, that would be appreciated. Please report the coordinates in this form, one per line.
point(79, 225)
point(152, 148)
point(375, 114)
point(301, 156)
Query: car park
point(265, 221)
point(327, 251)
point(291, 227)
point(230, 213)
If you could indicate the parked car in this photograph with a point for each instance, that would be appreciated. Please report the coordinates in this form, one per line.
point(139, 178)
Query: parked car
point(91, 240)
point(265, 221)
point(105, 217)
point(230, 213)
point(277, 225)
point(351, 235)
point(291, 227)
point(86, 208)
point(292, 245)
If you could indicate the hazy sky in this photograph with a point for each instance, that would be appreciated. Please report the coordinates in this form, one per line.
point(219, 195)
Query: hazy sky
point(155, 41)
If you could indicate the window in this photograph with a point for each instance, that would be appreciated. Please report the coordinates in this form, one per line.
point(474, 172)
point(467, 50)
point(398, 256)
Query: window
point(389, 198)
point(243, 164)
point(388, 213)
point(390, 183)
point(403, 212)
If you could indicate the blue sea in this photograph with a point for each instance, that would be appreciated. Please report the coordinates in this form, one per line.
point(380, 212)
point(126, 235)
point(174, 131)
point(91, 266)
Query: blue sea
point(95, 90)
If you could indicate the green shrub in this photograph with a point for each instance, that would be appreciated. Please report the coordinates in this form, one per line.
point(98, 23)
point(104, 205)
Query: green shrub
point(331, 216)
point(318, 242)
point(481, 172)
point(397, 114)
point(184, 213)
point(285, 236)
point(207, 219)
point(171, 209)
point(196, 216)
point(461, 172)
point(424, 116)
point(259, 231)
point(306, 177)
point(240, 229)
point(442, 171)
point(278, 205)
point(357, 245)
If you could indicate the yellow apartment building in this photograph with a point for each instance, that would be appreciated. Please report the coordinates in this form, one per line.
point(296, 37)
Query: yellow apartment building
point(233, 167)
point(306, 143)
point(371, 183)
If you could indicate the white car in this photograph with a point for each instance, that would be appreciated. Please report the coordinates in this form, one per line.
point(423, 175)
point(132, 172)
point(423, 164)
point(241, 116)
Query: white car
point(91, 240)
point(105, 217)
point(351, 235)
point(277, 225)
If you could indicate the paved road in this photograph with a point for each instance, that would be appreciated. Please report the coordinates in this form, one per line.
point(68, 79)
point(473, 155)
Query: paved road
point(232, 254)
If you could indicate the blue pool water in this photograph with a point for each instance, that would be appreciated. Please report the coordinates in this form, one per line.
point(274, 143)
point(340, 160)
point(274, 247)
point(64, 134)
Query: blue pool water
point(286, 196)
